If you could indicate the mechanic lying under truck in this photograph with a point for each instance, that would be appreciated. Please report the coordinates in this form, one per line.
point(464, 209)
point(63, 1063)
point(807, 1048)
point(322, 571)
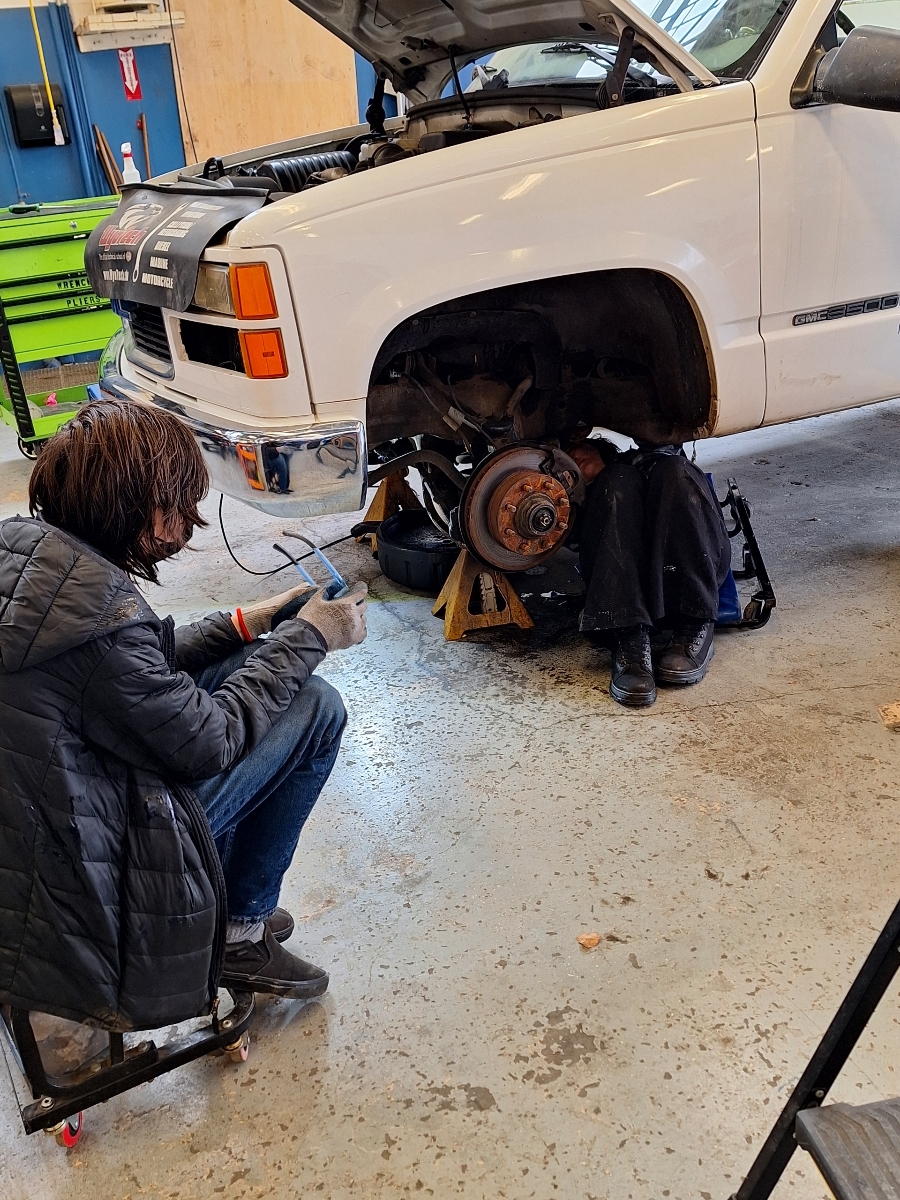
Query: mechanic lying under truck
point(153, 781)
point(674, 225)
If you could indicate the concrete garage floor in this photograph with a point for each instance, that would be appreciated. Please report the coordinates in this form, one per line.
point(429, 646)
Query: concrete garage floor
point(735, 846)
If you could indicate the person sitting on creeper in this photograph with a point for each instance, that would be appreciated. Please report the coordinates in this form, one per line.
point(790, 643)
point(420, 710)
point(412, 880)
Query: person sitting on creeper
point(115, 724)
point(653, 552)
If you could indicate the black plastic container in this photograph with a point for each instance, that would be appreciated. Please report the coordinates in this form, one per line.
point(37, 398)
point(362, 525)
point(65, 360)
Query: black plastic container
point(412, 552)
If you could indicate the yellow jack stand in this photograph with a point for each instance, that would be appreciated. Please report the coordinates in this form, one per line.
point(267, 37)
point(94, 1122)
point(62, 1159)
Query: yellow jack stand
point(471, 579)
point(393, 494)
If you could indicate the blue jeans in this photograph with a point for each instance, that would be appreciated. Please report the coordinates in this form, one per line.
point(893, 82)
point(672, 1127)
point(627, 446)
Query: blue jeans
point(257, 809)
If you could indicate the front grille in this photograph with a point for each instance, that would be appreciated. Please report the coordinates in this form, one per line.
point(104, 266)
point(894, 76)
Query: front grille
point(149, 331)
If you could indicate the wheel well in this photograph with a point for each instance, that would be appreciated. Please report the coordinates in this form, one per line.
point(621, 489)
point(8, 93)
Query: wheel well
point(621, 349)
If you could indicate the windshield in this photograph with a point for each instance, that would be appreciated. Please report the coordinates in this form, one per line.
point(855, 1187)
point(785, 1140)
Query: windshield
point(727, 36)
point(542, 63)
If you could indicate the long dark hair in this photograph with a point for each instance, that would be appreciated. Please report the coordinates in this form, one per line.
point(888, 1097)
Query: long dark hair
point(106, 474)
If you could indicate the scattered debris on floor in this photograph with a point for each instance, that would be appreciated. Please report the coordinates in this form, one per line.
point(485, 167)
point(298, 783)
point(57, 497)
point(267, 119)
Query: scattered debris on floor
point(588, 941)
point(890, 714)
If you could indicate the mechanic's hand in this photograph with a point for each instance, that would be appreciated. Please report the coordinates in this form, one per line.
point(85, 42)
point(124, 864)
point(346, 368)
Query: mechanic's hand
point(588, 459)
point(256, 618)
point(342, 623)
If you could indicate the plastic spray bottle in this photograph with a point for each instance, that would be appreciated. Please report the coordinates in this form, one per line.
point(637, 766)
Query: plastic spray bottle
point(130, 173)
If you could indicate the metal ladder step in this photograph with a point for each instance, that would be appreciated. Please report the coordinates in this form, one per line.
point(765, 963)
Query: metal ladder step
point(857, 1149)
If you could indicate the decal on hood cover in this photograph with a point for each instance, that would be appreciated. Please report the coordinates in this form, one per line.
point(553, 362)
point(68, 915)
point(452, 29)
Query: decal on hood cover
point(149, 250)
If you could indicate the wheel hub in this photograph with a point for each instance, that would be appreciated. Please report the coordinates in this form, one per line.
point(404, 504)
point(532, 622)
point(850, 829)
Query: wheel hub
point(528, 512)
point(515, 509)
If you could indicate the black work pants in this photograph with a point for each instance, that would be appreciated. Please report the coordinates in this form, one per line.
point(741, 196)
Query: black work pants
point(653, 545)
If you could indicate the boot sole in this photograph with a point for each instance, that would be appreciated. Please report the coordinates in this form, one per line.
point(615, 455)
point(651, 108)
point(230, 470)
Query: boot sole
point(289, 989)
point(629, 700)
point(686, 677)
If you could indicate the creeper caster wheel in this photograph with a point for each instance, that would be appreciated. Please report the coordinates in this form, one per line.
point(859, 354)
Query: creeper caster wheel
point(68, 1132)
point(239, 1051)
point(30, 449)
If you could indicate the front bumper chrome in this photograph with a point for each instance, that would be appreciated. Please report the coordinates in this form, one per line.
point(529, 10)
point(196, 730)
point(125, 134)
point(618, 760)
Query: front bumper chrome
point(299, 471)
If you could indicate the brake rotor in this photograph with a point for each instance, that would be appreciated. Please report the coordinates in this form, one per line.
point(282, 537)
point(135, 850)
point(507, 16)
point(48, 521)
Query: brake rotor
point(515, 509)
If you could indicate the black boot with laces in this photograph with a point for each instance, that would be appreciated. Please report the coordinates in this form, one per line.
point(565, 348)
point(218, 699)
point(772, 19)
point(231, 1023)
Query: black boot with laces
point(632, 681)
point(687, 657)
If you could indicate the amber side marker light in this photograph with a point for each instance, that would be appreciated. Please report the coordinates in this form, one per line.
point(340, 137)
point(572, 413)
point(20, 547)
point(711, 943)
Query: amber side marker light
point(263, 352)
point(251, 288)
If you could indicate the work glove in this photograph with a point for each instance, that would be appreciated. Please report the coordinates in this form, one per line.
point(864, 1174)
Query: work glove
point(254, 619)
point(342, 623)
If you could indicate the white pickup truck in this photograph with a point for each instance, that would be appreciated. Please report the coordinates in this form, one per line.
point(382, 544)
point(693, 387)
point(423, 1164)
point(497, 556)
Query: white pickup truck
point(674, 225)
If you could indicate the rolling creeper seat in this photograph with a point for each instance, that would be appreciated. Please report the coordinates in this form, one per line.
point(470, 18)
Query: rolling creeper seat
point(58, 1101)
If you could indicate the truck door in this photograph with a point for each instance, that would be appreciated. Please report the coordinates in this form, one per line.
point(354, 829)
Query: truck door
point(830, 235)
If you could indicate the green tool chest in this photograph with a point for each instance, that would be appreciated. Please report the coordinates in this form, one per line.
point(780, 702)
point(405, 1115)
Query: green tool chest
point(47, 308)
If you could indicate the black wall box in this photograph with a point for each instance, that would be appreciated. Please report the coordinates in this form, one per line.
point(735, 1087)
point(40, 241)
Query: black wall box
point(29, 113)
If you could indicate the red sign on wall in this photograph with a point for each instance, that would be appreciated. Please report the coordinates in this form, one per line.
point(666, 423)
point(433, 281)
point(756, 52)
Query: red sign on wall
point(130, 78)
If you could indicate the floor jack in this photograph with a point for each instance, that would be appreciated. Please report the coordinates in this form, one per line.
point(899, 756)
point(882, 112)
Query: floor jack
point(856, 1147)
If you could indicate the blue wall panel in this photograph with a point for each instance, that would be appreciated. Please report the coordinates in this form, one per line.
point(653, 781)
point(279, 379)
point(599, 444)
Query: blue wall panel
point(92, 85)
point(117, 117)
point(44, 172)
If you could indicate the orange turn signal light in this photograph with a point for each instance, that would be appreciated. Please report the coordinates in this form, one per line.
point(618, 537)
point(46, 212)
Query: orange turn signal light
point(263, 352)
point(251, 290)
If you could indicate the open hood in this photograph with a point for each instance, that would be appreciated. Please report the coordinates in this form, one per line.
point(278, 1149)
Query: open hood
point(408, 41)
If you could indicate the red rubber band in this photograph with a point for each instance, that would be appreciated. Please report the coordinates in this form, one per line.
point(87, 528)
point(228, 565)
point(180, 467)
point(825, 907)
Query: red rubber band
point(245, 632)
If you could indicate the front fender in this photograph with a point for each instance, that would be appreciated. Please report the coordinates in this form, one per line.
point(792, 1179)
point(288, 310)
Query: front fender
point(669, 185)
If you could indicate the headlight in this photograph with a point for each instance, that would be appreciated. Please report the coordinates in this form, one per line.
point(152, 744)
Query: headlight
point(213, 290)
point(243, 290)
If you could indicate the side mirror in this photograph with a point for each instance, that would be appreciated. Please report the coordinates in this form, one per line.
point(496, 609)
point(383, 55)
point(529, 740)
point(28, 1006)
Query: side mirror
point(863, 71)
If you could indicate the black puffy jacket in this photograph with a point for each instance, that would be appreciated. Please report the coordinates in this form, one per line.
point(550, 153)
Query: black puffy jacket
point(111, 894)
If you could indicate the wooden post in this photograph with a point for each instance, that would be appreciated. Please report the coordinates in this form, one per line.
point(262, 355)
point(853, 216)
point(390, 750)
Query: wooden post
point(473, 581)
